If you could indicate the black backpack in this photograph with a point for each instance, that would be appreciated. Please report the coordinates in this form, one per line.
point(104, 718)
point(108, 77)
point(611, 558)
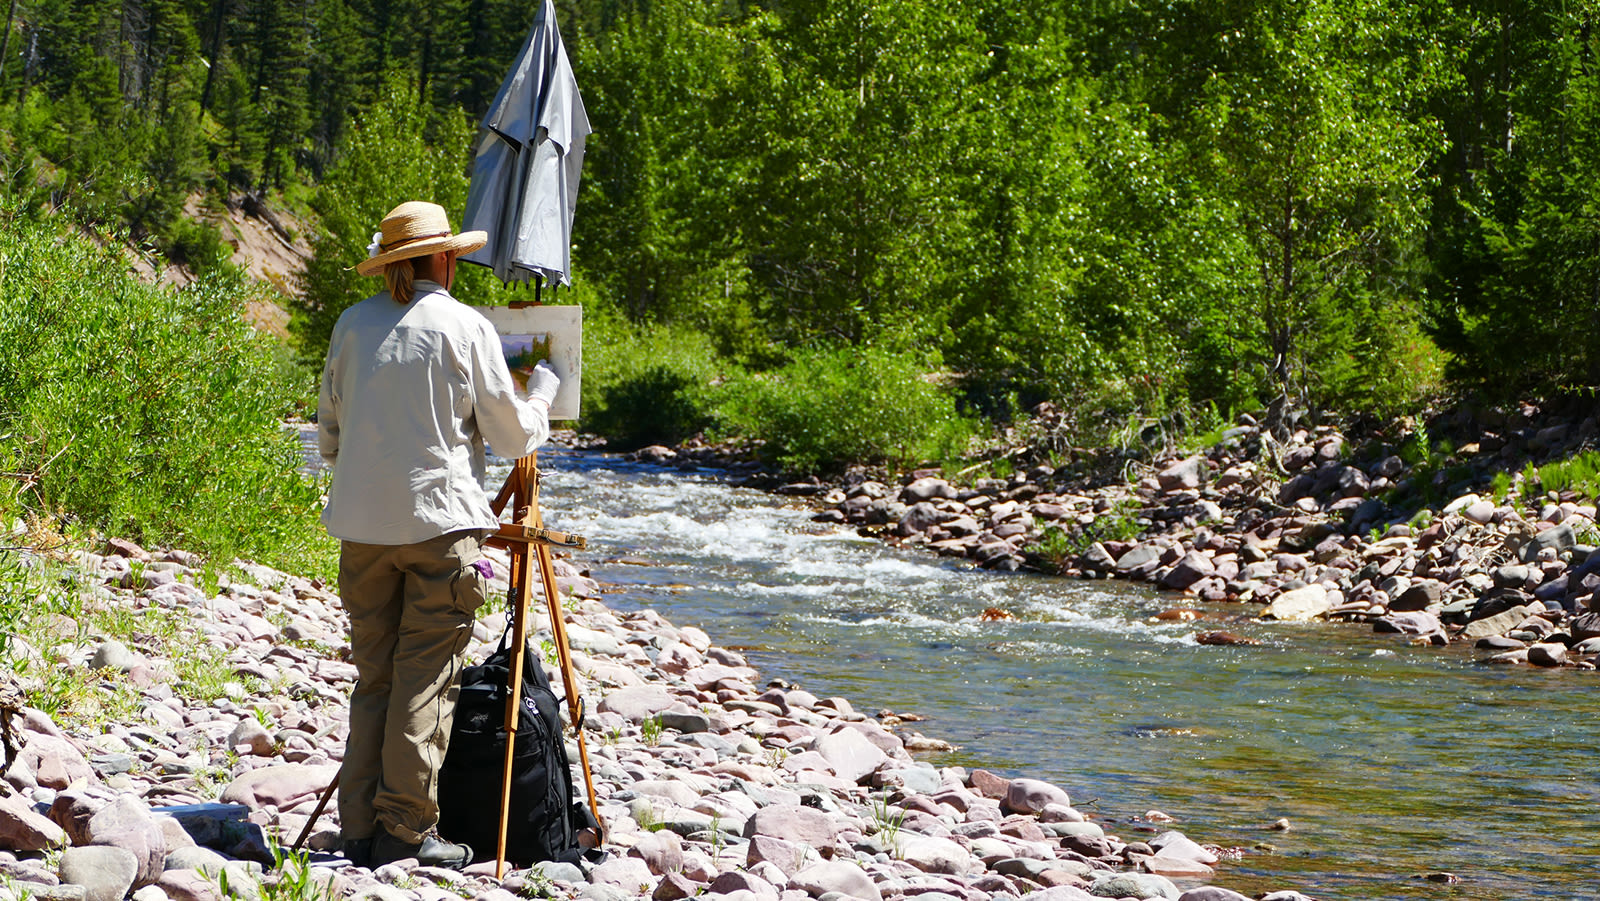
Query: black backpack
point(545, 819)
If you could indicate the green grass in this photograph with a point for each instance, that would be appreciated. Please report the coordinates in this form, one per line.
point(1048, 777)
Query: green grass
point(1579, 473)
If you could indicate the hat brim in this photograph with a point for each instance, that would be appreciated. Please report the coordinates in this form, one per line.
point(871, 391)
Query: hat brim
point(466, 242)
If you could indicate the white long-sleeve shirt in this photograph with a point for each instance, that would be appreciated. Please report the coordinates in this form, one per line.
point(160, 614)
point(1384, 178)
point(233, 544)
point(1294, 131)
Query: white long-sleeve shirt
point(410, 393)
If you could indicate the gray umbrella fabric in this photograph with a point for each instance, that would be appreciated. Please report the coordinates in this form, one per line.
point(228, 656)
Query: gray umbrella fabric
point(530, 155)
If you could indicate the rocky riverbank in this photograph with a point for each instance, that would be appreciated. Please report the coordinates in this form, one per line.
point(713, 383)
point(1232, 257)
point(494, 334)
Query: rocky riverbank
point(710, 783)
point(1300, 524)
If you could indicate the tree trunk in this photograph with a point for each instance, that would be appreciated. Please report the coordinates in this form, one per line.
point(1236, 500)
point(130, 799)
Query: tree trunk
point(214, 55)
point(5, 43)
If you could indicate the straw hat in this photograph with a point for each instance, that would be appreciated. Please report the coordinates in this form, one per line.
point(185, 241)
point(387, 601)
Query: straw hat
point(415, 228)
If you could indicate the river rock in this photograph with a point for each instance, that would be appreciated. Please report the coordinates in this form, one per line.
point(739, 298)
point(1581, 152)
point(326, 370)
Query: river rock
point(1031, 796)
point(1300, 604)
point(281, 786)
point(927, 489)
point(114, 655)
point(752, 885)
point(1499, 624)
point(53, 760)
point(637, 702)
point(937, 855)
point(850, 754)
point(105, 872)
point(1190, 569)
point(1212, 893)
point(1185, 475)
point(1547, 654)
point(787, 856)
point(839, 876)
point(23, 829)
point(1176, 844)
point(794, 823)
point(1133, 885)
point(1558, 538)
point(251, 736)
point(90, 817)
point(1415, 622)
point(1420, 596)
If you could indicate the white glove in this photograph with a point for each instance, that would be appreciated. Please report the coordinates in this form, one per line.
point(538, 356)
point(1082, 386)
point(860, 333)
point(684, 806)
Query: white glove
point(543, 383)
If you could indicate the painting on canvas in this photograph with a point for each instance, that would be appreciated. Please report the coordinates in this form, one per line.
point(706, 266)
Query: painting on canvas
point(534, 333)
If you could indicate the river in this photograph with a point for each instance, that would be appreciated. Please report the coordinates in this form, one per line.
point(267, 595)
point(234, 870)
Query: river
point(1390, 762)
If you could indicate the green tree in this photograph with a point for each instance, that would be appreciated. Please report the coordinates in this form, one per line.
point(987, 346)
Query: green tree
point(1306, 127)
point(382, 162)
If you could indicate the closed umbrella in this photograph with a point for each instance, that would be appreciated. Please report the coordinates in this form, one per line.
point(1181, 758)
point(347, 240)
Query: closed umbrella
point(525, 174)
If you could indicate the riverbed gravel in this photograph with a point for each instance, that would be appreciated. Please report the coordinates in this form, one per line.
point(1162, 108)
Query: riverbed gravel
point(711, 781)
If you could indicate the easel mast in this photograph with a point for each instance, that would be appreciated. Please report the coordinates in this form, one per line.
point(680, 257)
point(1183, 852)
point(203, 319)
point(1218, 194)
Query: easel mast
point(528, 543)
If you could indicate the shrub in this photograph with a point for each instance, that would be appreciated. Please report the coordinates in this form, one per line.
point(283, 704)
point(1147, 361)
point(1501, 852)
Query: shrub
point(148, 412)
point(649, 386)
point(831, 407)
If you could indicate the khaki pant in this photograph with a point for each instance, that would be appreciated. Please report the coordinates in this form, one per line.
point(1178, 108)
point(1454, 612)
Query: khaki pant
point(411, 612)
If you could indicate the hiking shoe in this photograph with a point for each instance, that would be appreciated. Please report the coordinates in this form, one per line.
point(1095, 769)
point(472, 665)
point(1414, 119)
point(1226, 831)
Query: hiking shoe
point(358, 851)
point(432, 851)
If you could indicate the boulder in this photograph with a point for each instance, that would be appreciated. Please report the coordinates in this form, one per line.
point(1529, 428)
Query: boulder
point(1300, 604)
point(1031, 796)
point(281, 786)
point(92, 817)
point(23, 829)
point(836, 876)
point(106, 872)
point(1133, 885)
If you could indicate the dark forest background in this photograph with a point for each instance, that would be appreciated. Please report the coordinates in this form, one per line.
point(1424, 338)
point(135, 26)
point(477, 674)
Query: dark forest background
point(863, 229)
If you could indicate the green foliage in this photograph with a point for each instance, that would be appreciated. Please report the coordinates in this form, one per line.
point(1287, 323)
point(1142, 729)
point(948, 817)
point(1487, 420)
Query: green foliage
point(399, 149)
point(147, 412)
point(1579, 473)
point(650, 729)
point(886, 820)
point(647, 385)
point(1057, 546)
point(1500, 487)
point(290, 878)
point(828, 407)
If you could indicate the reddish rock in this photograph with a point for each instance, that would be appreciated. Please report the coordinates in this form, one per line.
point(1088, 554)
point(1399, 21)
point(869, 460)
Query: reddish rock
point(836, 876)
point(92, 817)
point(988, 784)
point(54, 761)
point(675, 887)
point(23, 829)
point(794, 823)
point(785, 855)
point(1032, 795)
point(279, 786)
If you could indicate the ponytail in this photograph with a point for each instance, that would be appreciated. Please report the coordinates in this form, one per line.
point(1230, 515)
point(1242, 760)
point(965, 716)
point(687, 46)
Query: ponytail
point(397, 278)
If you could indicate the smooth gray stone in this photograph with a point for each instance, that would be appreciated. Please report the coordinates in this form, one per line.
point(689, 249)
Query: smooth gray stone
point(106, 872)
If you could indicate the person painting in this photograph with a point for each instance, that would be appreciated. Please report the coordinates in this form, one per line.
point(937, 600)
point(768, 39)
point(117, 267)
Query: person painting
point(415, 383)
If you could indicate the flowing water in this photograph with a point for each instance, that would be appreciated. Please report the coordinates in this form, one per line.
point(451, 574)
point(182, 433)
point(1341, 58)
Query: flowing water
point(1390, 762)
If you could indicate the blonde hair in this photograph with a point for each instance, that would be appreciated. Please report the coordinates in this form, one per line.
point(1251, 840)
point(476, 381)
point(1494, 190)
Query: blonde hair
point(397, 277)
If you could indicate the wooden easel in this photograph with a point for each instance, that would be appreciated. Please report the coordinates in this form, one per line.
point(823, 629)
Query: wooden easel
point(526, 531)
point(529, 542)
